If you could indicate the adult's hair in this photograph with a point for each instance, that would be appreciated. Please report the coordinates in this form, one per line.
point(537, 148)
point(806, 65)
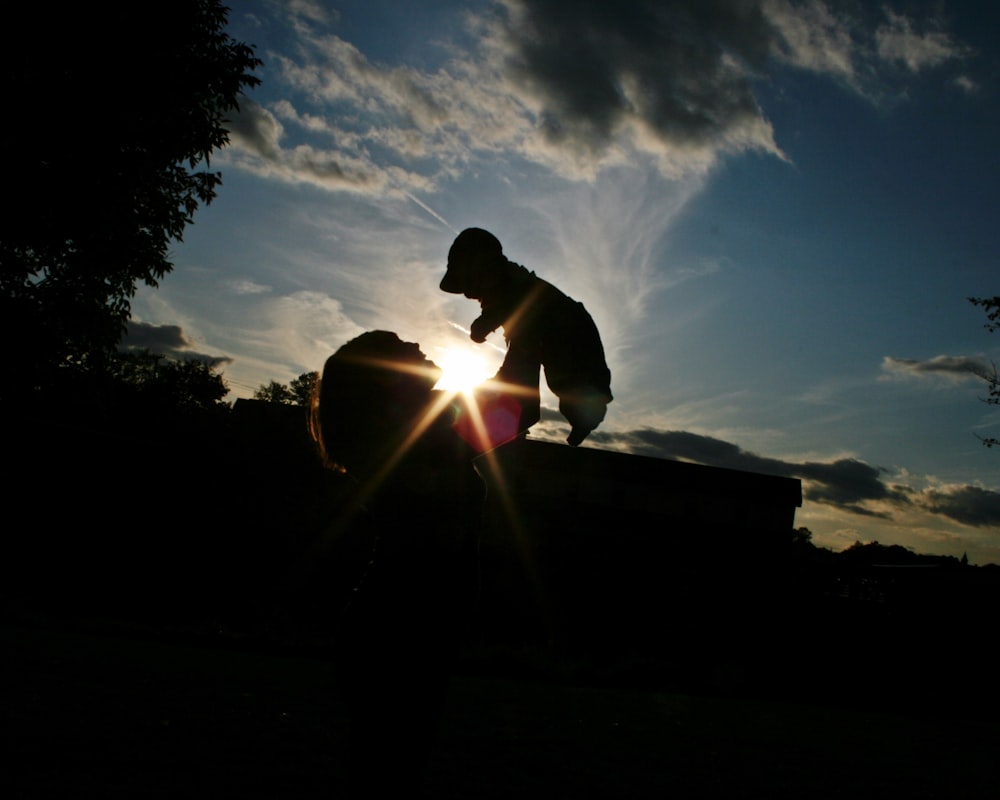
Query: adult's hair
point(367, 399)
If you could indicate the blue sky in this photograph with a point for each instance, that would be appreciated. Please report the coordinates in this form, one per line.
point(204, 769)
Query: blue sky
point(774, 210)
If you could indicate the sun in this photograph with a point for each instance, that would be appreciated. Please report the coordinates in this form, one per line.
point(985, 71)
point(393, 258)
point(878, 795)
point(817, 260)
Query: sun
point(462, 369)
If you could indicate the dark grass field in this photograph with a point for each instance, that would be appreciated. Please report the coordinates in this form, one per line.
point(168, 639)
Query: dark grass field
point(109, 716)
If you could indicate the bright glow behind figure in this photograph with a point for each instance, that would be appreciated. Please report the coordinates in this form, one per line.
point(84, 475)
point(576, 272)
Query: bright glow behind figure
point(462, 369)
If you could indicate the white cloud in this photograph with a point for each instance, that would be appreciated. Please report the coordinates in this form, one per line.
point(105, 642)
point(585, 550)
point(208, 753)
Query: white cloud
point(813, 38)
point(966, 84)
point(899, 42)
point(576, 89)
point(312, 10)
point(244, 286)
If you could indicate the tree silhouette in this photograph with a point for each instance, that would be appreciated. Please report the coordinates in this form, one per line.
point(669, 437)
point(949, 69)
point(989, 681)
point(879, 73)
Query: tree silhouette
point(298, 393)
point(801, 536)
point(992, 307)
point(189, 385)
point(303, 387)
point(117, 114)
point(274, 392)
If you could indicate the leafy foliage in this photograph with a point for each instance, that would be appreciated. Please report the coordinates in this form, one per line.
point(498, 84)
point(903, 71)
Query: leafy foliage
point(992, 307)
point(303, 387)
point(118, 114)
point(298, 393)
point(274, 392)
point(181, 385)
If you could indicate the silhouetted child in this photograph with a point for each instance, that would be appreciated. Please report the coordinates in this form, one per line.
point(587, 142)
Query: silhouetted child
point(543, 328)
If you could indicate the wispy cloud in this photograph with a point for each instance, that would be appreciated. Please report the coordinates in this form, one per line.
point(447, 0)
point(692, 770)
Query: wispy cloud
point(810, 36)
point(899, 41)
point(573, 87)
point(299, 330)
point(602, 244)
point(258, 147)
point(855, 45)
point(247, 286)
point(966, 84)
point(312, 10)
point(953, 369)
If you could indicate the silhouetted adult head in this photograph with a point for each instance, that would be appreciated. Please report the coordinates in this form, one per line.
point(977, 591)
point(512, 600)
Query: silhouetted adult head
point(371, 393)
point(474, 261)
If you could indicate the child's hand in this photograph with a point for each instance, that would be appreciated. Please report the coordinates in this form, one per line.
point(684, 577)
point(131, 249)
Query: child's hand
point(480, 330)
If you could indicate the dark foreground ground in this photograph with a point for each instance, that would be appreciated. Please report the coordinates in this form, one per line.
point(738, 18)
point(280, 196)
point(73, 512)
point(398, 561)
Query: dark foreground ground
point(115, 717)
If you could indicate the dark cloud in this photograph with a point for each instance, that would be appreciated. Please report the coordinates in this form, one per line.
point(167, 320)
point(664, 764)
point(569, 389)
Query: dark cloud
point(680, 66)
point(845, 483)
point(701, 449)
point(142, 335)
point(212, 361)
point(969, 505)
point(684, 73)
point(848, 483)
point(166, 340)
point(255, 129)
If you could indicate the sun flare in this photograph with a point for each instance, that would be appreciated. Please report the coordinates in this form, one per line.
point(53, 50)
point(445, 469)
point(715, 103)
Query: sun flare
point(462, 369)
